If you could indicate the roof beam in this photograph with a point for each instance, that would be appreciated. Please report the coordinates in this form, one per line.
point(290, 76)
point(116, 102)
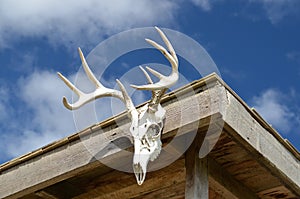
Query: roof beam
point(230, 186)
point(255, 135)
point(72, 157)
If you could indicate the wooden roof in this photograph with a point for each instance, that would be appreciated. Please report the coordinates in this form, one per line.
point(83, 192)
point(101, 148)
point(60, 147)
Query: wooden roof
point(249, 160)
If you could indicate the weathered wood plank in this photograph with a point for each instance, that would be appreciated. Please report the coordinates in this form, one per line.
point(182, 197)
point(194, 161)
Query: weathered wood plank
point(276, 192)
point(197, 186)
point(228, 182)
point(174, 191)
point(45, 195)
point(243, 166)
point(218, 191)
point(70, 157)
point(121, 185)
point(249, 133)
point(74, 157)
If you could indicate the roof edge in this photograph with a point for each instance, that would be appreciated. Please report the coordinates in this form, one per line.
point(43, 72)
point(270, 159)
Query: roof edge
point(203, 82)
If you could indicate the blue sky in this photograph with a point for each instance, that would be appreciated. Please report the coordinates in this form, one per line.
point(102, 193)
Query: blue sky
point(254, 43)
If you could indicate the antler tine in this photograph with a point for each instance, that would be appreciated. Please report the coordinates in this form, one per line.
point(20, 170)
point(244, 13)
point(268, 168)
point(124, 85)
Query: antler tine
point(165, 81)
point(100, 91)
point(154, 92)
point(72, 87)
point(147, 75)
point(126, 99)
point(168, 44)
point(87, 70)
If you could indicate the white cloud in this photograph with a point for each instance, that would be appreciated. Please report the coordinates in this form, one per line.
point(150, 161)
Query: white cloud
point(204, 4)
point(271, 104)
point(42, 93)
point(80, 22)
point(28, 141)
point(276, 10)
point(5, 108)
point(41, 117)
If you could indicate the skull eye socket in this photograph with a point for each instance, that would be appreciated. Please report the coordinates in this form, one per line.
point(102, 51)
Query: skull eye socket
point(154, 130)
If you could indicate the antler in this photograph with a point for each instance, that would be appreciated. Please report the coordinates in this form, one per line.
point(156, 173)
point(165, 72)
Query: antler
point(100, 91)
point(165, 82)
point(158, 89)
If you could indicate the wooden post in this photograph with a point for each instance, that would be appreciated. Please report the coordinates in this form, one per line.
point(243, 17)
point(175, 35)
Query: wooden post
point(196, 186)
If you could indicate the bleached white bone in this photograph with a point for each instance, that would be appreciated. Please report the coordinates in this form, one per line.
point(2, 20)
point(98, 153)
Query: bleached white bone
point(147, 122)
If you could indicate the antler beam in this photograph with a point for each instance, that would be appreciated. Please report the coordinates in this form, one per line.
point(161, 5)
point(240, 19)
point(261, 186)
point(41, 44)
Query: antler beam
point(165, 81)
point(100, 91)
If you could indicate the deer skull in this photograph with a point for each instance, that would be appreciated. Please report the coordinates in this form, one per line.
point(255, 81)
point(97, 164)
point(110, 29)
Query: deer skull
point(146, 123)
point(146, 137)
